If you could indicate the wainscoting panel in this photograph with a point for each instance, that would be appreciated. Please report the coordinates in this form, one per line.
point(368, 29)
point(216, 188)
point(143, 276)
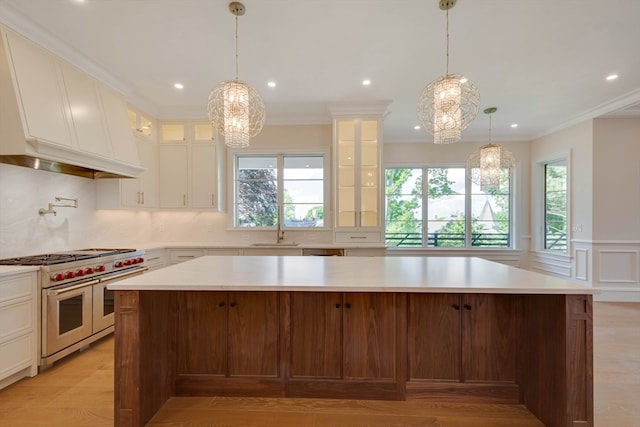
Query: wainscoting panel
point(619, 266)
point(582, 264)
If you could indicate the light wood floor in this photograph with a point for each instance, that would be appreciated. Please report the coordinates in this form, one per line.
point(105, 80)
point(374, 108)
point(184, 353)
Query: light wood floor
point(78, 391)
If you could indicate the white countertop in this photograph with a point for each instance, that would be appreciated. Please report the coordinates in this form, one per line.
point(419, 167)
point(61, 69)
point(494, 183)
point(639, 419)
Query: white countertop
point(10, 270)
point(349, 274)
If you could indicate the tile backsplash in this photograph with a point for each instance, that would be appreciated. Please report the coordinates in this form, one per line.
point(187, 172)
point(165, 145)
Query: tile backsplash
point(23, 231)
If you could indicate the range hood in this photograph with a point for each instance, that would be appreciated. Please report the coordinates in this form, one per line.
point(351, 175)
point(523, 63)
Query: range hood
point(55, 117)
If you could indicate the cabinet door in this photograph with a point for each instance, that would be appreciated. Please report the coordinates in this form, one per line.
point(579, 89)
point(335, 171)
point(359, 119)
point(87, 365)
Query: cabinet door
point(489, 336)
point(203, 175)
point(346, 173)
point(86, 113)
point(316, 323)
point(148, 181)
point(369, 170)
point(202, 341)
point(369, 335)
point(253, 334)
point(434, 337)
point(173, 175)
point(39, 90)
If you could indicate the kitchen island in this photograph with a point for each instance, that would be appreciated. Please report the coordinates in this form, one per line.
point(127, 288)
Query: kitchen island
point(393, 328)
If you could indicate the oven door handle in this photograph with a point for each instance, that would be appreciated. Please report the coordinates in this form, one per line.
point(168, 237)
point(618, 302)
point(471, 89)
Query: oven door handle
point(124, 275)
point(55, 292)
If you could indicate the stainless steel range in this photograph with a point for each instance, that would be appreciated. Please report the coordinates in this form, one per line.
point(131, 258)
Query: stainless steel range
point(76, 306)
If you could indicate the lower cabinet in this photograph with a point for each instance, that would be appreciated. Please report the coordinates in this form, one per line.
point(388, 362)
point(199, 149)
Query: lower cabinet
point(228, 334)
point(18, 327)
point(349, 338)
point(468, 338)
point(367, 345)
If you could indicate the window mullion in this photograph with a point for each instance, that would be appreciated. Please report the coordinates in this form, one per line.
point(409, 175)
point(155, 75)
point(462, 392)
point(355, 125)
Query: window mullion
point(467, 211)
point(425, 206)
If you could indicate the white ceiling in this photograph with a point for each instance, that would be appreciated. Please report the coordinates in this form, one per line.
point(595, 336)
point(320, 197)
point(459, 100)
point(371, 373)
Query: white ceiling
point(542, 63)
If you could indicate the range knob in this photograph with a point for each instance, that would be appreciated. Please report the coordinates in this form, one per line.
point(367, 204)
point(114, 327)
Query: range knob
point(134, 261)
point(140, 260)
point(100, 268)
point(89, 270)
point(79, 273)
point(118, 264)
point(69, 275)
point(128, 262)
point(57, 277)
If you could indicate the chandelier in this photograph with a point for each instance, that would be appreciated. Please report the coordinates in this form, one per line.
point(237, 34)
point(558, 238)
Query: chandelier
point(491, 163)
point(450, 103)
point(236, 109)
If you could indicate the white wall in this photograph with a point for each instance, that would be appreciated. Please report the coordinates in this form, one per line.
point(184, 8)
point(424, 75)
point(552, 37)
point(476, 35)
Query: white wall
point(24, 191)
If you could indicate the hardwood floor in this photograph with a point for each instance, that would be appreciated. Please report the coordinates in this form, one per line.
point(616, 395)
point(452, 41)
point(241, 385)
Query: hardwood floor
point(78, 391)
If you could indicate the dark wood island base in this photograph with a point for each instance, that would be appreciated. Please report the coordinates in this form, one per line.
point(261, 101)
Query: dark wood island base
point(532, 349)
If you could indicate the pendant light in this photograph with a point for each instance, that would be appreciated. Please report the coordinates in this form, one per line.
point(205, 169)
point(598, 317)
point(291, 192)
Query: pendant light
point(491, 163)
point(236, 109)
point(450, 103)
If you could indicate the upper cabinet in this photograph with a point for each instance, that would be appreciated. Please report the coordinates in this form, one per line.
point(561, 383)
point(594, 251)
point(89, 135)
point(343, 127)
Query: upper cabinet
point(191, 160)
point(358, 180)
point(52, 111)
point(142, 125)
point(139, 193)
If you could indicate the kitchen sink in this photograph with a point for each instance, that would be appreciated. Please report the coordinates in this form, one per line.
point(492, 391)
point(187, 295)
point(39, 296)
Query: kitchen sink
point(276, 244)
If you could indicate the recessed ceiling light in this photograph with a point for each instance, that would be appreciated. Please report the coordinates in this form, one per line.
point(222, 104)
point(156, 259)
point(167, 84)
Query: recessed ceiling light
point(178, 86)
point(271, 84)
point(612, 77)
point(514, 125)
point(416, 127)
point(366, 82)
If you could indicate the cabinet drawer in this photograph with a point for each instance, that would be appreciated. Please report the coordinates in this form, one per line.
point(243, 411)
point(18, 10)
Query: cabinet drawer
point(16, 320)
point(181, 255)
point(17, 287)
point(154, 259)
point(16, 355)
point(358, 237)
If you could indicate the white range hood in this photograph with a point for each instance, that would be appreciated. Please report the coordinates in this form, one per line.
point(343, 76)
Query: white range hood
point(55, 117)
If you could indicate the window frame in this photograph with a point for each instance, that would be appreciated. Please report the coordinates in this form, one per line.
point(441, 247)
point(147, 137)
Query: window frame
point(279, 154)
point(543, 205)
point(468, 185)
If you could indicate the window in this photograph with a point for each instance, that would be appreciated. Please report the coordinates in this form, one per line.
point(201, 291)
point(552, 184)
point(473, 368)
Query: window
point(555, 206)
point(442, 208)
point(286, 189)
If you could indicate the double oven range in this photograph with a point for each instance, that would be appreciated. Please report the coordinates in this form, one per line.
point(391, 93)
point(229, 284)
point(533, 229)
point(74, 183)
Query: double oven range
point(76, 306)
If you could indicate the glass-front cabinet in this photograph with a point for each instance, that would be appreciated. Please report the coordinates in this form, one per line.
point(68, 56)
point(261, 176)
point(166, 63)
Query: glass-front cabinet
point(358, 192)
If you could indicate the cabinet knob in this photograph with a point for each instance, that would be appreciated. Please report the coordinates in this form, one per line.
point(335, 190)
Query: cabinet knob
point(456, 306)
point(337, 305)
point(221, 304)
point(233, 304)
point(467, 306)
point(348, 305)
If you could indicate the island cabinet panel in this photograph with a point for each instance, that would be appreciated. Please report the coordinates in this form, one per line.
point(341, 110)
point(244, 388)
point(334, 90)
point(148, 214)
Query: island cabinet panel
point(463, 344)
point(316, 335)
point(229, 343)
point(344, 345)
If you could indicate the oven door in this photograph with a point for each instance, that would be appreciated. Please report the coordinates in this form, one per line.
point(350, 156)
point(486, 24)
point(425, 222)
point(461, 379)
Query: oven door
point(103, 299)
point(68, 315)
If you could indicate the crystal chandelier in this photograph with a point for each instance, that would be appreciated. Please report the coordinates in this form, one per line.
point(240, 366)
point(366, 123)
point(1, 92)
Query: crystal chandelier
point(236, 109)
point(450, 103)
point(491, 163)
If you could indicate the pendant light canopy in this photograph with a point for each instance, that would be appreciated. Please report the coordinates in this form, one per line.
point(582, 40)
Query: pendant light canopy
point(450, 103)
point(491, 163)
point(236, 109)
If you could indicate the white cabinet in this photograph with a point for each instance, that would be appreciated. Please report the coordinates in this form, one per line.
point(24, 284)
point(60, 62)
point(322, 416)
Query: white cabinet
point(18, 326)
point(133, 193)
point(358, 180)
point(190, 166)
point(53, 111)
point(85, 111)
point(39, 91)
point(154, 259)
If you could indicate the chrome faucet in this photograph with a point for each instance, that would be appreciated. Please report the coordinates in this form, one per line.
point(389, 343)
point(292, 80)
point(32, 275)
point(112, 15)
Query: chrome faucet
point(280, 233)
